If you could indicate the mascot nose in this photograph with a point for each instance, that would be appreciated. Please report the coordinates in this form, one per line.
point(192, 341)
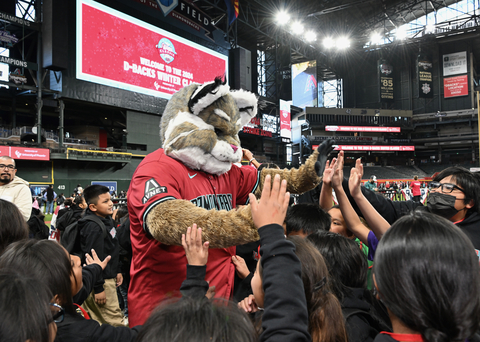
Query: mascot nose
point(235, 148)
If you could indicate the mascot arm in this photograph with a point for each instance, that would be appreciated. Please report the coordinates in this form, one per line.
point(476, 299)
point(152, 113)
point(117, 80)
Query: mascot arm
point(170, 219)
point(305, 178)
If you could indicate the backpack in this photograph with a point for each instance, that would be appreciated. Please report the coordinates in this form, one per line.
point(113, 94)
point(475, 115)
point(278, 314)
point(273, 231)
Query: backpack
point(70, 237)
point(65, 220)
point(37, 227)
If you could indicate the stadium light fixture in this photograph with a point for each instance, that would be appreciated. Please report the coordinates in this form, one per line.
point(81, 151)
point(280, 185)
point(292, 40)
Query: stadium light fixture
point(282, 17)
point(343, 43)
point(297, 27)
point(328, 43)
point(310, 36)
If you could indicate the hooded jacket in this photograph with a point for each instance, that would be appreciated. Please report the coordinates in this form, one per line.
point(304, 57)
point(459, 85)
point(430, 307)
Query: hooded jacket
point(18, 193)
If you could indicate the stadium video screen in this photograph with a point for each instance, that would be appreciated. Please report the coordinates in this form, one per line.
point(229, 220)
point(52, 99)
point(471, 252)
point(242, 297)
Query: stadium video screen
point(117, 50)
point(304, 84)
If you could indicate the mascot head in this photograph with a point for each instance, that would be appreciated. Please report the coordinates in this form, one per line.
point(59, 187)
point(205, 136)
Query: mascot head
point(200, 125)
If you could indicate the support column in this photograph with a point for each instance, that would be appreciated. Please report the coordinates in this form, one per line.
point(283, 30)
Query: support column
point(61, 134)
point(39, 78)
point(478, 128)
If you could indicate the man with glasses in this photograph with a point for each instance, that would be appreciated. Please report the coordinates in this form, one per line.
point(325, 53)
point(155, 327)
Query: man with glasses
point(14, 189)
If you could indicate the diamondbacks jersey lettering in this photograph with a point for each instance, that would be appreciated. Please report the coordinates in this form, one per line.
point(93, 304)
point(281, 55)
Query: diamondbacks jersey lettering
point(219, 202)
point(158, 270)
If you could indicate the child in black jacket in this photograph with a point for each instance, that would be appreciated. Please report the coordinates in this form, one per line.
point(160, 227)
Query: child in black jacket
point(102, 304)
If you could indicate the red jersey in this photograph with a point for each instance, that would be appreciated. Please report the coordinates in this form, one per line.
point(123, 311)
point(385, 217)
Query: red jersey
point(158, 270)
point(415, 186)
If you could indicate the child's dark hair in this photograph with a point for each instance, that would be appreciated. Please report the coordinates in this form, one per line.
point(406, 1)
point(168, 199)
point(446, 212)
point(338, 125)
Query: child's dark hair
point(92, 192)
point(326, 323)
point(308, 217)
point(78, 200)
point(207, 321)
point(24, 308)
point(347, 264)
point(46, 261)
point(12, 224)
point(121, 213)
point(427, 274)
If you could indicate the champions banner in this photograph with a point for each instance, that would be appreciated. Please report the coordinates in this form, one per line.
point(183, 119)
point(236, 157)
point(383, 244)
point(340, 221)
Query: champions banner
point(120, 51)
point(385, 80)
point(424, 75)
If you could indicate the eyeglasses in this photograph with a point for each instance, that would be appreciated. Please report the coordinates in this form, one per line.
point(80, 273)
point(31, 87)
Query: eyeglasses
point(11, 167)
point(445, 187)
point(58, 313)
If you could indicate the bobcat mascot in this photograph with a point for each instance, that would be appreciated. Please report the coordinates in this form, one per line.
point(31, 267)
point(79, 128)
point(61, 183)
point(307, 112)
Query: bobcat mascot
point(193, 180)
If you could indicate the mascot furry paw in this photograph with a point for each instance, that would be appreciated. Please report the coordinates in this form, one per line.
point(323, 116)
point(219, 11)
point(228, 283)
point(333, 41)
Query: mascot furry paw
point(193, 180)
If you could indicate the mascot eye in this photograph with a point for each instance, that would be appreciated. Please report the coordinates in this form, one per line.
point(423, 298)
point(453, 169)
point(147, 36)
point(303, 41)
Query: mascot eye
point(218, 131)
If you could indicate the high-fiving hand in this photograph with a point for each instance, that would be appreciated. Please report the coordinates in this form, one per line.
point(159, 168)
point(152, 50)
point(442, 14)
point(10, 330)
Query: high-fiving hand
point(195, 251)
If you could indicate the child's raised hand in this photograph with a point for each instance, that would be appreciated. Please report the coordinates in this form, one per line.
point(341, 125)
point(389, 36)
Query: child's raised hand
point(355, 180)
point(328, 172)
point(337, 177)
point(248, 304)
point(273, 204)
point(195, 251)
point(93, 259)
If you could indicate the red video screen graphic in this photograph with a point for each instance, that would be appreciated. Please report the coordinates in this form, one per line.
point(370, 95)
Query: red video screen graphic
point(372, 148)
point(120, 51)
point(25, 153)
point(362, 129)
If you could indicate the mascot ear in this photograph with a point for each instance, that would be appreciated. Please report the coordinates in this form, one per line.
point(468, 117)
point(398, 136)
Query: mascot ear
point(206, 94)
point(246, 103)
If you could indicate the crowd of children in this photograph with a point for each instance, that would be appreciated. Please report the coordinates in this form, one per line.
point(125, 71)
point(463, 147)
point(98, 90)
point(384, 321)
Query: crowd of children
point(367, 269)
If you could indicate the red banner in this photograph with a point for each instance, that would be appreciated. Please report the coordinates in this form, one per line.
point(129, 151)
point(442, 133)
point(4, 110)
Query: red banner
point(455, 86)
point(371, 148)
point(120, 51)
point(361, 129)
point(25, 153)
point(285, 121)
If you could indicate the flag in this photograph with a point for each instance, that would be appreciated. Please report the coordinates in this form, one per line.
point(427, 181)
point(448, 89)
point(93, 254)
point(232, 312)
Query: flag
point(232, 10)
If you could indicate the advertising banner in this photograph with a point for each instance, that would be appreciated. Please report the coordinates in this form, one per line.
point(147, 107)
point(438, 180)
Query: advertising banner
point(455, 86)
point(372, 148)
point(25, 153)
point(385, 81)
point(120, 51)
point(455, 63)
point(425, 78)
point(111, 185)
point(361, 129)
point(285, 121)
point(304, 84)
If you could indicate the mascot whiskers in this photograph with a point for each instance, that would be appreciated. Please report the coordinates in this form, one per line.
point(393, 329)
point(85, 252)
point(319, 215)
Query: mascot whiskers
point(192, 179)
